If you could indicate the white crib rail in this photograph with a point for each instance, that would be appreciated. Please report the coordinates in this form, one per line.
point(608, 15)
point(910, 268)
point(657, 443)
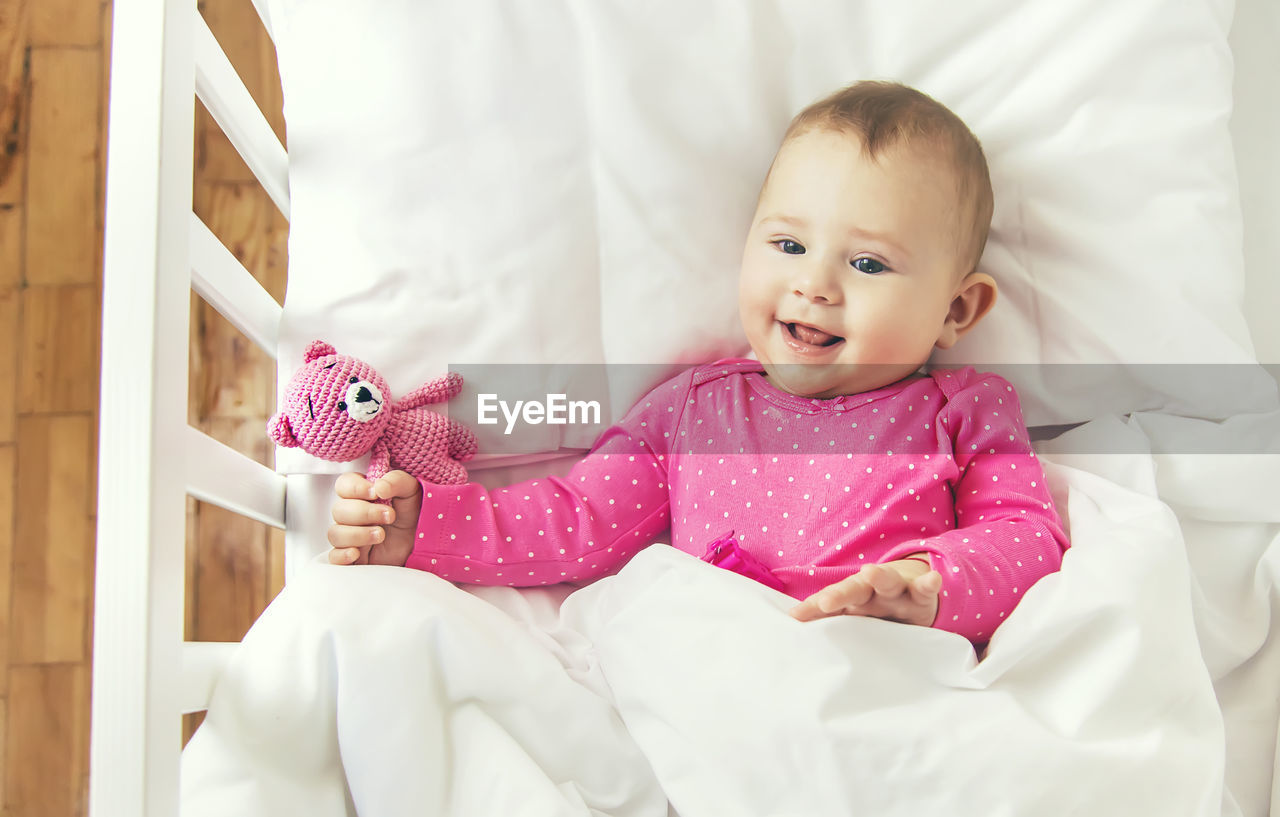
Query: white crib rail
point(144, 675)
point(221, 475)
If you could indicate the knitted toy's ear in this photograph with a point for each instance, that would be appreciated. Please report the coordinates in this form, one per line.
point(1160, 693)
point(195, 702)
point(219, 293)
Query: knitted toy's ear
point(278, 429)
point(317, 349)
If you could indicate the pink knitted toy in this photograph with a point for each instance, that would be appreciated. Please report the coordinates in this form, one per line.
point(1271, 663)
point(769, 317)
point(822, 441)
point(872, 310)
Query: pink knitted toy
point(338, 408)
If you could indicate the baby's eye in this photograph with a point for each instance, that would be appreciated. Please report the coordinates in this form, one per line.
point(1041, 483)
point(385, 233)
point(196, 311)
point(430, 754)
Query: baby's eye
point(789, 247)
point(342, 406)
point(868, 265)
point(352, 379)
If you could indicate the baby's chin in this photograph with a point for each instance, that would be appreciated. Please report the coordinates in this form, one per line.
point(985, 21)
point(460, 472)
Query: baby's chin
point(818, 381)
point(823, 381)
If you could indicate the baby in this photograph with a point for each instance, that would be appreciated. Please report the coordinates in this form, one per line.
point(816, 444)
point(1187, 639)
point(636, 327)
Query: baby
point(829, 467)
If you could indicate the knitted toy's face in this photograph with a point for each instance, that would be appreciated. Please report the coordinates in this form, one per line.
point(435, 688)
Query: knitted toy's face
point(364, 400)
point(335, 408)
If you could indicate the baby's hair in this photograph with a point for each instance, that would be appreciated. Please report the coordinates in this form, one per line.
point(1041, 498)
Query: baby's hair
point(884, 115)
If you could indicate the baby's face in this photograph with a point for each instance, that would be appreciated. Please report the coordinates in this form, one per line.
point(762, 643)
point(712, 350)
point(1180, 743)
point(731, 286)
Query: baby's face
point(850, 266)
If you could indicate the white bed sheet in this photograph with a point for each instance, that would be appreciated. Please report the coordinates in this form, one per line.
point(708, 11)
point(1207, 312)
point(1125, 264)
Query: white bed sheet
point(1125, 684)
point(1255, 132)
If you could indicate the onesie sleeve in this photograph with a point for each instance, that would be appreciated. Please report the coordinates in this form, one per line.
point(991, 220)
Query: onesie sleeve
point(1008, 535)
point(552, 529)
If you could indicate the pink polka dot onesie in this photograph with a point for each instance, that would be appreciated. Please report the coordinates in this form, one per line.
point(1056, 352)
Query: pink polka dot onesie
point(810, 489)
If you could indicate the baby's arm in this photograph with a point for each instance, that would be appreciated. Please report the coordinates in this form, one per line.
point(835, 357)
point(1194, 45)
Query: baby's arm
point(1007, 535)
point(1006, 542)
point(547, 530)
point(552, 529)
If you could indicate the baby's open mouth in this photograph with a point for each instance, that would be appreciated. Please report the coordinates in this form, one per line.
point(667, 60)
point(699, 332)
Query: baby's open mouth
point(811, 336)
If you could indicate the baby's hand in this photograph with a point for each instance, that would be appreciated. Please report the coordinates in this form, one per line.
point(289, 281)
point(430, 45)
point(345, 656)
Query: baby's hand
point(905, 590)
point(367, 532)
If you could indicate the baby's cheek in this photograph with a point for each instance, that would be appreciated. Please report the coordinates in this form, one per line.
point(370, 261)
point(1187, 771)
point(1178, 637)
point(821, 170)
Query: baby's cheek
point(907, 340)
point(756, 322)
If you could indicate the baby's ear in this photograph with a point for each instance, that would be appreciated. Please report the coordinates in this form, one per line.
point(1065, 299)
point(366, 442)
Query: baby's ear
point(972, 301)
point(279, 429)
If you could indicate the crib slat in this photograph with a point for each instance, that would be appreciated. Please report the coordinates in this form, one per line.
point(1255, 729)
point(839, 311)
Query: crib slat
point(202, 663)
point(220, 278)
point(219, 474)
point(220, 89)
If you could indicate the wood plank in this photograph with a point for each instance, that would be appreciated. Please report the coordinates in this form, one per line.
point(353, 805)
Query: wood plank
point(232, 574)
point(245, 41)
point(248, 224)
point(50, 577)
point(10, 314)
point(196, 410)
point(47, 744)
point(238, 30)
point(66, 23)
point(275, 273)
point(8, 462)
point(190, 723)
point(104, 109)
point(270, 93)
point(275, 563)
point(10, 247)
point(63, 155)
point(14, 95)
point(4, 732)
point(234, 378)
point(94, 373)
point(58, 367)
point(191, 574)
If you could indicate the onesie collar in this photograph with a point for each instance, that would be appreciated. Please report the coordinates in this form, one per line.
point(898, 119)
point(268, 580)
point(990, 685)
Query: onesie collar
point(753, 372)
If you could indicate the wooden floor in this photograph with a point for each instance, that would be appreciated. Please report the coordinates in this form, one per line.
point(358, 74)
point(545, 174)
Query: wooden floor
point(54, 70)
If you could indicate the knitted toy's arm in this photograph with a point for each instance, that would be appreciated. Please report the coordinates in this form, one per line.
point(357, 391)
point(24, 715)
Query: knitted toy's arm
point(379, 461)
point(439, 390)
point(462, 442)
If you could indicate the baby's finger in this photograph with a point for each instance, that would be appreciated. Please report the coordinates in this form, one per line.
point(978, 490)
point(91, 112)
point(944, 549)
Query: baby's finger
point(355, 536)
point(343, 556)
point(806, 610)
point(354, 486)
point(395, 485)
point(854, 591)
point(361, 512)
point(925, 588)
point(885, 581)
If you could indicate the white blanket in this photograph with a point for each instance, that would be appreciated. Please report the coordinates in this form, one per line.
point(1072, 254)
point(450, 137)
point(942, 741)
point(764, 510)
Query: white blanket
point(678, 685)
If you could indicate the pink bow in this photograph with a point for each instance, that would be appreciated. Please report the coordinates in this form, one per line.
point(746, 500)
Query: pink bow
point(727, 553)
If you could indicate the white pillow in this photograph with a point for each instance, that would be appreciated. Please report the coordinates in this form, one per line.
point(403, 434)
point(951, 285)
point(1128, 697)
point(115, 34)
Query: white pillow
point(571, 182)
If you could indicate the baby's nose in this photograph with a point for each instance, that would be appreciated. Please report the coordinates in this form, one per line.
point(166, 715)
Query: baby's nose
point(811, 296)
point(817, 289)
point(363, 395)
point(816, 283)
